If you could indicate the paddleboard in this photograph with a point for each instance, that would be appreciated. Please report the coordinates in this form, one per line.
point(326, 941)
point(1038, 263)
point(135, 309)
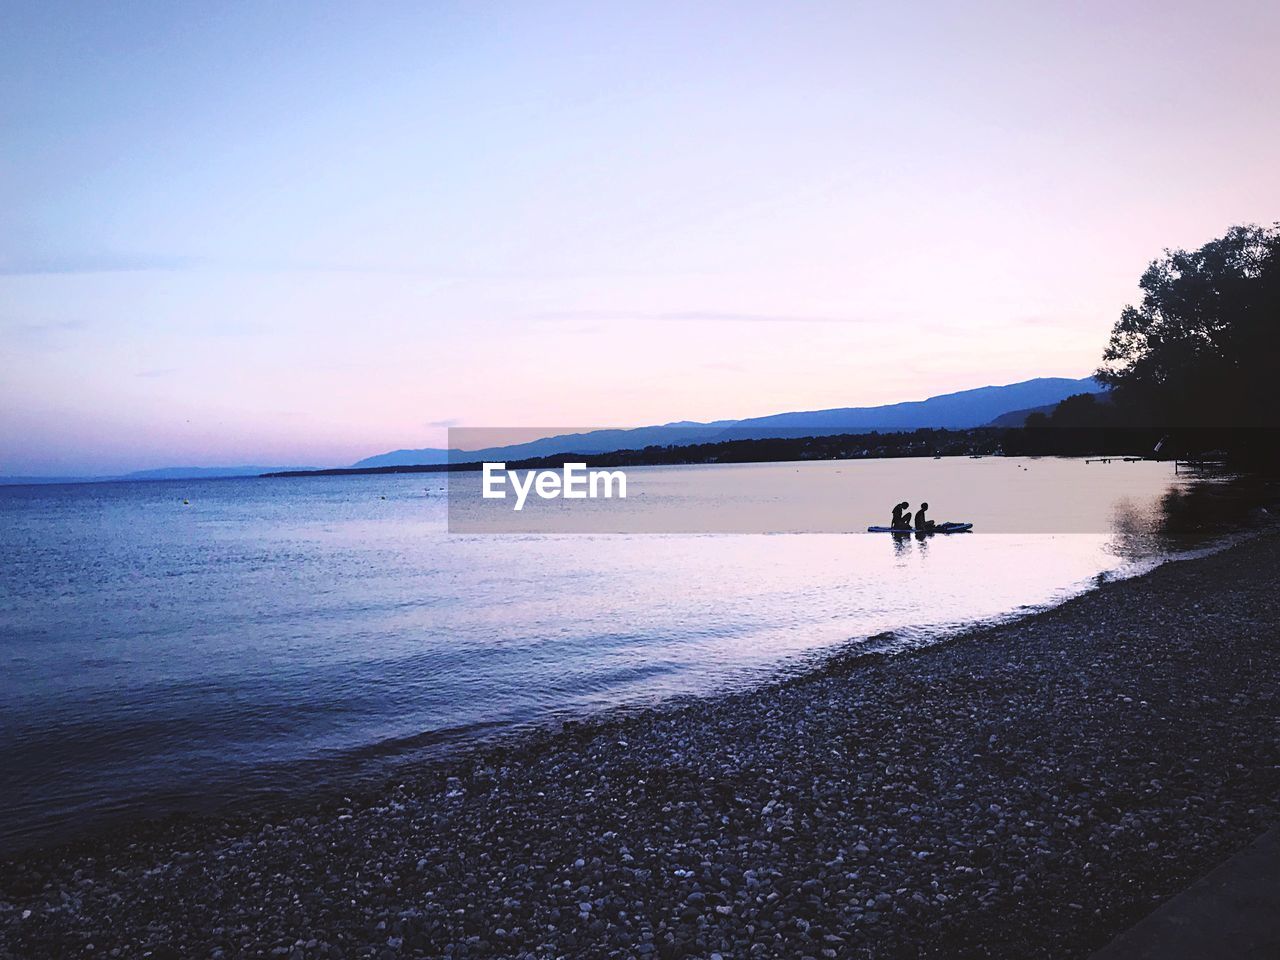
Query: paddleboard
point(940, 528)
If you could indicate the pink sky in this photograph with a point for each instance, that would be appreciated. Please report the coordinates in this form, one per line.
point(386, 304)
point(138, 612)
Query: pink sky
point(308, 234)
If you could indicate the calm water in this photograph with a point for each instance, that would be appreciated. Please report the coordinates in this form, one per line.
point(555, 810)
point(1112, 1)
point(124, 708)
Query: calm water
point(271, 632)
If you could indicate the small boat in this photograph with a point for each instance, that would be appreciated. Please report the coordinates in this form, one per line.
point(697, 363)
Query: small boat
point(940, 528)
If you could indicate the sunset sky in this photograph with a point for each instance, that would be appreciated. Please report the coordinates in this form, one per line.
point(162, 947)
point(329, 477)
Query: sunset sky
point(303, 233)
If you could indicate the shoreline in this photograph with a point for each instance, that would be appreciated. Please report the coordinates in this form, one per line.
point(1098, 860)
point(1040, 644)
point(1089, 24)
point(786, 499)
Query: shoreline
point(752, 823)
point(373, 767)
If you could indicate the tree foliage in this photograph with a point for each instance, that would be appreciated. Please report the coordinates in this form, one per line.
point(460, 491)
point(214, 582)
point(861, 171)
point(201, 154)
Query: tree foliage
point(1202, 348)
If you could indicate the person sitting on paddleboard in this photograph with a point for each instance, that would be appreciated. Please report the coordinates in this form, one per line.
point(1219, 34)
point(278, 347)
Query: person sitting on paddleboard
point(923, 523)
point(900, 522)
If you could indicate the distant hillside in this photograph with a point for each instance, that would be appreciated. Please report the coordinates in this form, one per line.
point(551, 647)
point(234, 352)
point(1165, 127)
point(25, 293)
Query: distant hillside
point(162, 473)
point(954, 411)
point(404, 458)
point(1066, 412)
point(1018, 418)
point(596, 441)
point(202, 473)
point(24, 481)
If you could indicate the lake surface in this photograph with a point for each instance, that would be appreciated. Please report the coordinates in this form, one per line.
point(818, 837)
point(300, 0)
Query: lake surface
point(269, 634)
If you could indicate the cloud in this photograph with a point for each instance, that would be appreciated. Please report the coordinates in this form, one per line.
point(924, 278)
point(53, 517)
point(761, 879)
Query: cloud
point(40, 334)
point(692, 316)
point(41, 328)
point(445, 424)
point(1048, 320)
point(34, 265)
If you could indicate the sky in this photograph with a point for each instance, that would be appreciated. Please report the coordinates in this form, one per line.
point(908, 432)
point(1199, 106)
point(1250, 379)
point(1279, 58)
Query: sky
point(305, 233)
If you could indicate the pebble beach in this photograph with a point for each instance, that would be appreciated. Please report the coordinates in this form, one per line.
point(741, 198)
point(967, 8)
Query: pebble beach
point(1023, 790)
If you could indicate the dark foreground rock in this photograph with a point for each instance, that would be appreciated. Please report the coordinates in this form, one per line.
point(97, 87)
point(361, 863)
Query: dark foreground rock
point(1024, 791)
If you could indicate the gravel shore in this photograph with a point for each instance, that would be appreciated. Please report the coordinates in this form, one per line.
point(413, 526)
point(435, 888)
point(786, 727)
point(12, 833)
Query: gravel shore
point(1021, 791)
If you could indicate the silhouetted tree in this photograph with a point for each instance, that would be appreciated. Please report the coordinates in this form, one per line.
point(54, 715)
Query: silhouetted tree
point(1080, 425)
point(1080, 410)
point(1202, 349)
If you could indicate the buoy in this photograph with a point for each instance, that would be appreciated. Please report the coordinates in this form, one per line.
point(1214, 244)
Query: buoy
point(187, 502)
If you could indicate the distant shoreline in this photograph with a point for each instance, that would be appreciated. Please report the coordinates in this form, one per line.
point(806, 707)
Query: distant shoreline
point(167, 475)
point(873, 445)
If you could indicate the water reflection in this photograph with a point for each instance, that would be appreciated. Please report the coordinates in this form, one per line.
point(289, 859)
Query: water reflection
point(1191, 512)
point(160, 654)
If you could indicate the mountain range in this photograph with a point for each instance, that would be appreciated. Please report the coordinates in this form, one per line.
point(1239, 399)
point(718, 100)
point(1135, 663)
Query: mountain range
point(1006, 405)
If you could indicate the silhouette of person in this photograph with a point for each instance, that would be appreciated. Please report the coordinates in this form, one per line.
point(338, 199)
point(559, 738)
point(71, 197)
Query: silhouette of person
point(923, 523)
point(901, 521)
